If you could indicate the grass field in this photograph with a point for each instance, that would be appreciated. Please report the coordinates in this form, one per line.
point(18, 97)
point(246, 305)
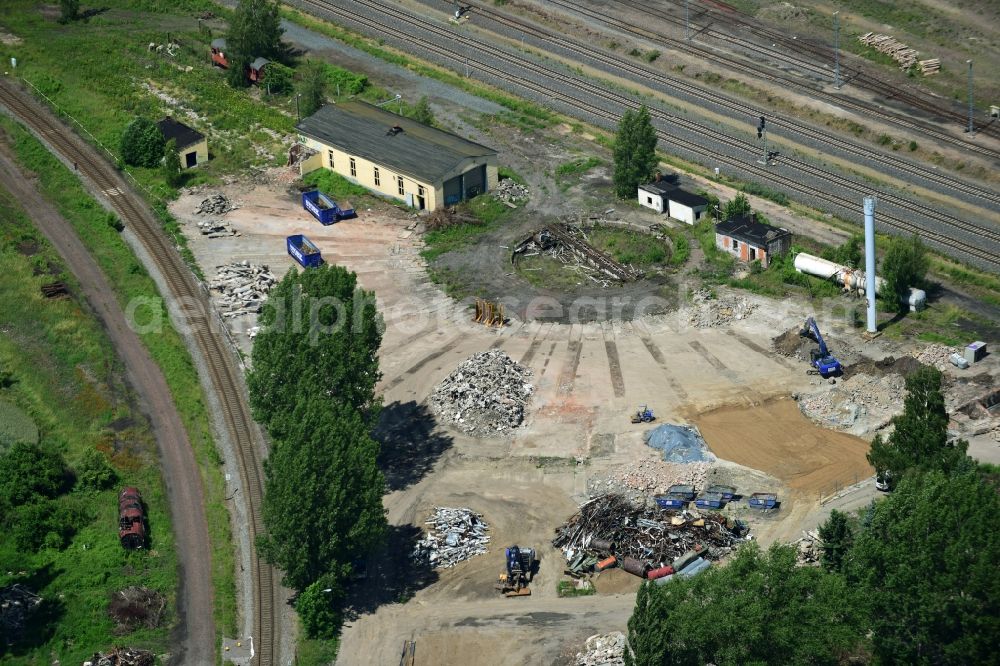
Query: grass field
point(61, 374)
point(166, 347)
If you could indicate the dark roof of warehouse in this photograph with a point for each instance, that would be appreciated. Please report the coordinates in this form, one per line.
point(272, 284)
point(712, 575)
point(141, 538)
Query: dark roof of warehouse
point(419, 150)
point(687, 198)
point(183, 134)
point(747, 228)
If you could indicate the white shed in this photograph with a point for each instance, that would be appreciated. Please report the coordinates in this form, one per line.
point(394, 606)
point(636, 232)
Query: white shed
point(654, 195)
point(685, 206)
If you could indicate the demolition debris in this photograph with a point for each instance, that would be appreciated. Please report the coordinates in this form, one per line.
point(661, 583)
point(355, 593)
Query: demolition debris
point(135, 607)
point(457, 535)
point(486, 394)
point(215, 204)
point(510, 192)
point(125, 656)
point(603, 650)
point(17, 603)
point(244, 287)
point(679, 444)
point(568, 244)
point(707, 311)
point(642, 538)
point(641, 481)
point(216, 229)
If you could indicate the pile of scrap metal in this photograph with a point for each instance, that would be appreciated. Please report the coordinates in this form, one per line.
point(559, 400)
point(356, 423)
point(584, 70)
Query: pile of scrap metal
point(457, 535)
point(124, 656)
point(17, 603)
point(569, 245)
point(648, 542)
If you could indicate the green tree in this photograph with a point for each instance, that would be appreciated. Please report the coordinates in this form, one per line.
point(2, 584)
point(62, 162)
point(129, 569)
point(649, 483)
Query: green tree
point(94, 472)
point(927, 568)
point(849, 253)
point(634, 152)
point(758, 609)
point(142, 143)
point(171, 164)
point(736, 207)
point(905, 265)
point(422, 112)
point(50, 523)
point(29, 473)
point(313, 89)
point(920, 437)
point(320, 335)
point(69, 10)
point(319, 607)
point(323, 499)
point(837, 539)
point(254, 32)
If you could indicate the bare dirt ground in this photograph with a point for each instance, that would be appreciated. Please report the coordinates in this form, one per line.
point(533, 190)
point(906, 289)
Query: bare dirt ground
point(194, 640)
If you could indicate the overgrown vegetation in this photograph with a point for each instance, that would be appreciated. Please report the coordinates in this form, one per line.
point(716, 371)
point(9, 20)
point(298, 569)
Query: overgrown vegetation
point(58, 507)
point(630, 247)
point(254, 32)
point(567, 588)
point(488, 213)
point(577, 167)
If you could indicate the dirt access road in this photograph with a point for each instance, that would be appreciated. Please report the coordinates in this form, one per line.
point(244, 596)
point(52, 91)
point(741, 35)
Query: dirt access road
point(194, 636)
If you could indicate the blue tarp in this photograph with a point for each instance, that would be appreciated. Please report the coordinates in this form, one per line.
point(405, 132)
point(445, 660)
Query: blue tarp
point(680, 444)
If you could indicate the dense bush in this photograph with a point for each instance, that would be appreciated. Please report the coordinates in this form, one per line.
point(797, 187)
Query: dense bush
point(142, 143)
point(29, 473)
point(94, 472)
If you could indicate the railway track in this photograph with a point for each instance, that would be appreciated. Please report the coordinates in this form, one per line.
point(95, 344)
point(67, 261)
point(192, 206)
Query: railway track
point(839, 144)
point(737, 64)
point(824, 53)
point(444, 46)
point(218, 358)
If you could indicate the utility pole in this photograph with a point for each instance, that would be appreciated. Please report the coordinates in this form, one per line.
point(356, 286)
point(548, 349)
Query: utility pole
point(687, 19)
point(762, 134)
point(971, 127)
point(836, 50)
point(297, 114)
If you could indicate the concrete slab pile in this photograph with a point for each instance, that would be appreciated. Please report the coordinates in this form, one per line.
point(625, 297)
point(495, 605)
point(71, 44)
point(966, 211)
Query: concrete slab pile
point(603, 650)
point(215, 204)
point(244, 288)
point(611, 525)
point(863, 399)
point(456, 535)
point(216, 229)
point(485, 395)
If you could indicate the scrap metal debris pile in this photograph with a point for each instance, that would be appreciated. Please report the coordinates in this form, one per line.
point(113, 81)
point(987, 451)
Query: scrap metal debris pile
point(457, 535)
point(568, 244)
point(17, 603)
point(215, 204)
point(864, 402)
point(510, 192)
point(706, 311)
point(610, 524)
point(244, 287)
point(679, 444)
point(216, 229)
point(486, 394)
point(641, 481)
point(603, 650)
point(124, 656)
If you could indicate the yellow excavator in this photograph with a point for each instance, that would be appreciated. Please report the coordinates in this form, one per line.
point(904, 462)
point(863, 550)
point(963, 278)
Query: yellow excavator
point(515, 580)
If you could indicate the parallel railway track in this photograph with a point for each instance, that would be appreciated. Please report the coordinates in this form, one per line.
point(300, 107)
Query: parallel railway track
point(442, 46)
point(219, 360)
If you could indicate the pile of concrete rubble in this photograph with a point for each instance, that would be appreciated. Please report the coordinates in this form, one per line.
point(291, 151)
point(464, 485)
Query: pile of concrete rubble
point(244, 287)
point(866, 401)
point(216, 229)
point(809, 549)
point(215, 204)
point(456, 535)
point(707, 312)
point(603, 650)
point(641, 481)
point(485, 395)
point(935, 355)
point(510, 192)
point(124, 656)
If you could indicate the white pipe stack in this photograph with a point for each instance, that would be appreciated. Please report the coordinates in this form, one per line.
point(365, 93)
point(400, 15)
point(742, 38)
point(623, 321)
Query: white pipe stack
point(870, 261)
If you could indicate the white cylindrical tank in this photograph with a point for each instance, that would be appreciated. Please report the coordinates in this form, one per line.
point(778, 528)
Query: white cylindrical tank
point(851, 279)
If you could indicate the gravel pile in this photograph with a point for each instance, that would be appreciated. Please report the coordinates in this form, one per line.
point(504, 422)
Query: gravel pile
point(486, 394)
point(641, 481)
point(510, 191)
point(708, 312)
point(215, 204)
point(603, 650)
point(456, 535)
point(936, 355)
point(873, 400)
point(244, 287)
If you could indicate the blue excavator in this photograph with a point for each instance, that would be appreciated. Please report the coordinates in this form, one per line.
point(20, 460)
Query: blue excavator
point(821, 359)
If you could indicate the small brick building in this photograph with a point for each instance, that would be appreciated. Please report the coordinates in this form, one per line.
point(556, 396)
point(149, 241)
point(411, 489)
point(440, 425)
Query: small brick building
point(749, 240)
